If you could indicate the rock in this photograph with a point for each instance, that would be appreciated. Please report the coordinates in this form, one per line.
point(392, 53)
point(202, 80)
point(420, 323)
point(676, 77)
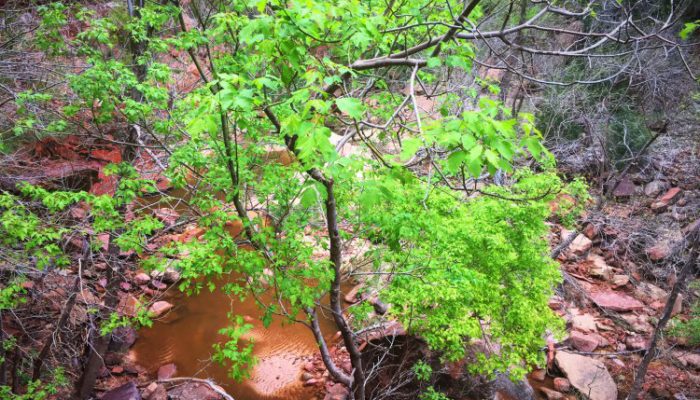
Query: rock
point(158, 285)
point(127, 391)
point(653, 188)
point(167, 371)
point(616, 301)
point(620, 280)
point(538, 375)
point(591, 231)
point(584, 323)
point(166, 215)
point(562, 385)
point(168, 276)
point(118, 370)
point(311, 382)
point(687, 358)
point(587, 375)
point(125, 286)
point(141, 279)
point(122, 339)
point(625, 188)
point(193, 391)
point(128, 305)
point(639, 323)
point(659, 251)
point(650, 293)
point(636, 343)
point(159, 308)
point(306, 376)
point(352, 296)
point(552, 394)
point(580, 245)
point(586, 342)
point(667, 199)
point(597, 267)
point(512, 390)
point(155, 391)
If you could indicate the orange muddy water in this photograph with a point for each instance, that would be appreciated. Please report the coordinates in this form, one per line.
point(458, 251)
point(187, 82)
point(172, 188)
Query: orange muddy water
point(185, 337)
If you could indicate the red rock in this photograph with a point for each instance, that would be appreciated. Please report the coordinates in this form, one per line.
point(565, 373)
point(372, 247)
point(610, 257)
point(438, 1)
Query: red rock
point(667, 199)
point(158, 285)
point(309, 367)
point(118, 370)
point(591, 231)
point(78, 213)
point(636, 343)
point(159, 308)
point(167, 371)
point(142, 279)
point(562, 384)
point(128, 391)
point(310, 382)
point(584, 342)
point(552, 394)
point(659, 251)
point(625, 188)
point(125, 286)
point(616, 301)
point(538, 375)
point(166, 215)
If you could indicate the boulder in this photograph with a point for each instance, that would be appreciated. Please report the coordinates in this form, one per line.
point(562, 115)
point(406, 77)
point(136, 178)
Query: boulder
point(122, 339)
point(687, 358)
point(589, 376)
point(653, 188)
point(615, 301)
point(650, 292)
point(620, 280)
point(597, 267)
point(625, 188)
point(636, 343)
point(659, 251)
point(169, 276)
point(141, 279)
point(583, 323)
point(587, 342)
point(552, 394)
point(155, 391)
point(538, 375)
point(580, 245)
point(667, 199)
point(512, 390)
point(167, 371)
point(127, 391)
point(562, 384)
point(193, 391)
point(159, 308)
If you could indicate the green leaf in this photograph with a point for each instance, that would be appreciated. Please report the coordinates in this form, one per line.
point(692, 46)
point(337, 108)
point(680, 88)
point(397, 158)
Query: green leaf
point(409, 147)
point(351, 106)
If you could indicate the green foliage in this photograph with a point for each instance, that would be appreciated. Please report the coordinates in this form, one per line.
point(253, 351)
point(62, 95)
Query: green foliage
point(38, 390)
point(688, 330)
point(235, 352)
point(422, 370)
point(431, 394)
point(688, 29)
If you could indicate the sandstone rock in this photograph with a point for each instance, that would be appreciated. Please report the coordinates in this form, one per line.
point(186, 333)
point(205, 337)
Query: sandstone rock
point(193, 391)
point(636, 343)
point(127, 391)
point(166, 215)
point(587, 375)
point(552, 394)
point(512, 390)
point(583, 323)
point(625, 188)
point(167, 371)
point(142, 279)
point(597, 267)
point(616, 301)
point(538, 375)
point(667, 199)
point(158, 285)
point(620, 280)
point(169, 276)
point(159, 308)
point(639, 323)
point(653, 188)
point(586, 342)
point(122, 339)
point(687, 358)
point(562, 385)
point(154, 391)
point(128, 305)
point(580, 245)
point(677, 306)
point(659, 251)
point(650, 292)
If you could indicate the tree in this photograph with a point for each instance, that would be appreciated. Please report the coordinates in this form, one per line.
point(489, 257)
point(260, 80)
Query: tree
point(274, 75)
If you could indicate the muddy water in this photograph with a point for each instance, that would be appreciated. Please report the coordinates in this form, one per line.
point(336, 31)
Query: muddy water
point(186, 335)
